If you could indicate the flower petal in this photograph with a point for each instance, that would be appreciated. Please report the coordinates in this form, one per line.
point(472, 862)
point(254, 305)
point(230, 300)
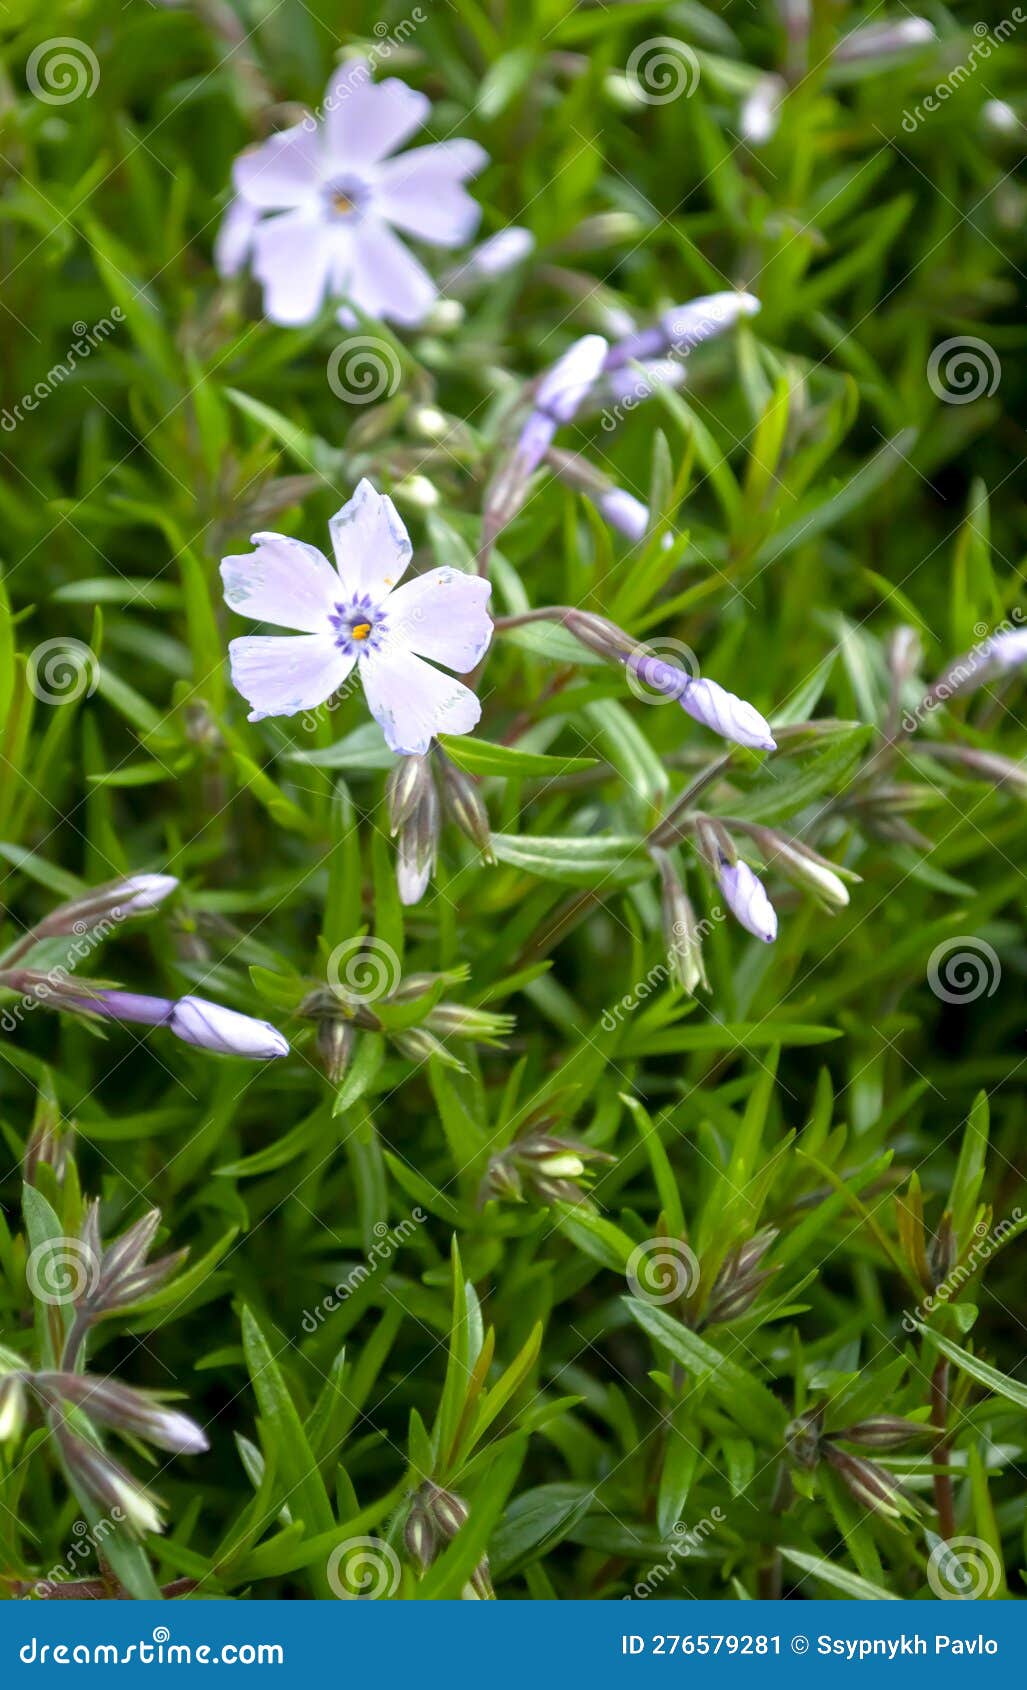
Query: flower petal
point(413, 702)
point(372, 547)
point(442, 615)
point(421, 191)
point(382, 278)
point(564, 386)
point(365, 120)
point(235, 237)
point(283, 172)
point(293, 256)
point(281, 676)
point(284, 581)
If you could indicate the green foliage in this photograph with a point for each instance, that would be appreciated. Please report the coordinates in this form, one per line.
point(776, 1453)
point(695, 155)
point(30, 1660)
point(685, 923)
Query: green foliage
point(623, 1278)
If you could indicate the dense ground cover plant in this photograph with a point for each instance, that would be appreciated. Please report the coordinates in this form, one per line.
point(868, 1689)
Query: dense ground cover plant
point(579, 1155)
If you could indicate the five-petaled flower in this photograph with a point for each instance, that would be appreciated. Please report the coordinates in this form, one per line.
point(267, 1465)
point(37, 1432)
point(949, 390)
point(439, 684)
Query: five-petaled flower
point(317, 205)
point(357, 616)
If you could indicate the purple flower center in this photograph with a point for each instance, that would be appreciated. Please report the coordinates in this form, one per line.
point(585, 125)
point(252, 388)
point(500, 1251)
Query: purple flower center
point(345, 198)
point(358, 626)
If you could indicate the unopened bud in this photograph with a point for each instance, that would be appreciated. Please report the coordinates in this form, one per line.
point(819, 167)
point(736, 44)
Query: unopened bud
point(804, 866)
point(448, 1511)
point(417, 846)
point(405, 786)
point(465, 1021)
point(417, 491)
point(680, 929)
point(335, 1039)
point(420, 1045)
point(599, 634)
point(466, 806)
point(12, 1407)
point(872, 1486)
point(884, 1431)
point(419, 1536)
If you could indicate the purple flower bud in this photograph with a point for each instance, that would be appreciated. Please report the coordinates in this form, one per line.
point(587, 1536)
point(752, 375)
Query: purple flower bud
point(194, 1020)
point(533, 443)
point(707, 702)
point(130, 1006)
point(497, 254)
point(1008, 650)
point(114, 1404)
point(562, 389)
point(626, 385)
point(747, 900)
point(142, 892)
point(624, 512)
point(877, 40)
point(727, 715)
point(687, 326)
point(212, 1027)
point(684, 327)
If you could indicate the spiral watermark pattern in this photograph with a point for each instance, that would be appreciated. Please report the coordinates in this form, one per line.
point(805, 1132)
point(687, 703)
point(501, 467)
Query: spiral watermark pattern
point(662, 1270)
point(362, 970)
point(61, 671)
point(61, 70)
point(363, 1567)
point(662, 69)
point(661, 671)
point(963, 369)
point(161, 1634)
point(964, 1569)
point(62, 1270)
point(963, 969)
point(362, 370)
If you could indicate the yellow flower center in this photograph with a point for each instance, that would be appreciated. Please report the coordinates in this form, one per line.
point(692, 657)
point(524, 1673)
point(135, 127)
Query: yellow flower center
point(360, 630)
point(342, 203)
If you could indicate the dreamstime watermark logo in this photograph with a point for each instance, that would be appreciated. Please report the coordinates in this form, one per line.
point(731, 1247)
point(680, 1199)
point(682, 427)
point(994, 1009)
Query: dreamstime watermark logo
point(63, 670)
point(963, 369)
point(986, 1241)
point(969, 668)
point(684, 940)
point(87, 1539)
point(61, 70)
point(689, 1538)
point(963, 969)
point(362, 370)
point(363, 1567)
point(662, 1270)
point(662, 69)
point(87, 339)
point(62, 1270)
point(987, 41)
point(661, 671)
point(964, 1569)
point(58, 983)
point(387, 1242)
point(363, 969)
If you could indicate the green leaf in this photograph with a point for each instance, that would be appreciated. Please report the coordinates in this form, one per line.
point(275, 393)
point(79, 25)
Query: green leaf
point(839, 1578)
point(478, 757)
point(744, 1397)
point(989, 1377)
